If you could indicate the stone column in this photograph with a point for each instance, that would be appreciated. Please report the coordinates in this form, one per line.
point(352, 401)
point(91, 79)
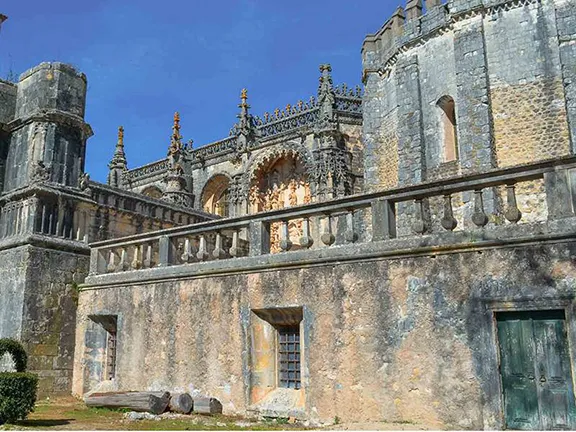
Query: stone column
point(474, 122)
point(411, 151)
point(475, 127)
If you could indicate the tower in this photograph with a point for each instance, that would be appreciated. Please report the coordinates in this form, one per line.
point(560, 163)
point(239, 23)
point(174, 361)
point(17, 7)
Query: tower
point(48, 132)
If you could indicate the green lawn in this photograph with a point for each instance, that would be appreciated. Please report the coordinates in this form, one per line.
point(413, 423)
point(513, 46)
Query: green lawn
point(71, 414)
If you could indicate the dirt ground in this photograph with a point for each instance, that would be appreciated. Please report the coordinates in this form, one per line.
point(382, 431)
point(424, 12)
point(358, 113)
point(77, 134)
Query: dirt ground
point(72, 414)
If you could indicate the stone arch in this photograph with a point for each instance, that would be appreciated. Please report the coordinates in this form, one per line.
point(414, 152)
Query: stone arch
point(447, 107)
point(279, 177)
point(261, 159)
point(215, 195)
point(152, 192)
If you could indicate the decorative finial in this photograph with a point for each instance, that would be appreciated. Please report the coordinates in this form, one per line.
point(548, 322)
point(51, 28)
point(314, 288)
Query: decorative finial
point(176, 140)
point(176, 126)
point(121, 136)
point(244, 95)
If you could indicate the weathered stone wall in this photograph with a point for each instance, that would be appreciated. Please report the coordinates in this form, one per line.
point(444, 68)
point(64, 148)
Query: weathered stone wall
point(405, 339)
point(39, 292)
point(526, 88)
point(507, 65)
point(7, 101)
point(380, 133)
point(12, 287)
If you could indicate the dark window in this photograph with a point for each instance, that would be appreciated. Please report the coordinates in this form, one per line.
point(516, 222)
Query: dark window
point(111, 355)
point(289, 356)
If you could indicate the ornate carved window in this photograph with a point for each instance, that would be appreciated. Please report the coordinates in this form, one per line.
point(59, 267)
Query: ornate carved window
point(447, 108)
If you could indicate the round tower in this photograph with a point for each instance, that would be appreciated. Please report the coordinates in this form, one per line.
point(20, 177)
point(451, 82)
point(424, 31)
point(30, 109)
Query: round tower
point(466, 87)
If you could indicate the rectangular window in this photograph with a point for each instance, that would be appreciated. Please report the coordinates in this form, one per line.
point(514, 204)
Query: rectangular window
point(103, 337)
point(289, 356)
point(111, 355)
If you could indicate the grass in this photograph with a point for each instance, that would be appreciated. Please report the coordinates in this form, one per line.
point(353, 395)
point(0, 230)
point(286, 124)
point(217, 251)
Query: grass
point(71, 414)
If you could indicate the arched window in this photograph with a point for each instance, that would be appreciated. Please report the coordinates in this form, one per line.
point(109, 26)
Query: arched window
point(152, 192)
point(215, 196)
point(448, 124)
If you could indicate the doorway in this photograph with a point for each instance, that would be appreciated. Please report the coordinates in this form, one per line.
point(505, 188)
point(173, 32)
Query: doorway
point(535, 370)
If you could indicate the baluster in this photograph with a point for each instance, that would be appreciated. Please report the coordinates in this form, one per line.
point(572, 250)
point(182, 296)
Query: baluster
point(43, 219)
point(147, 262)
point(136, 261)
point(5, 222)
point(79, 228)
point(58, 226)
point(512, 213)
point(85, 226)
point(187, 254)
point(479, 217)
point(218, 251)
point(327, 237)
point(306, 240)
point(285, 243)
point(448, 221)
point(419, 226)
point(17, 225)
point(111, 262)
point(234, 250)
point(202, 249)
point(50, 221)
point(350, 236)
point(123, 264)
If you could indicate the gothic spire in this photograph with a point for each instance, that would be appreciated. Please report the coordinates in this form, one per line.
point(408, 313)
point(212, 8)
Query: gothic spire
point(118, 165)
point(245, 123)
point(176, 139)
point(326, 97)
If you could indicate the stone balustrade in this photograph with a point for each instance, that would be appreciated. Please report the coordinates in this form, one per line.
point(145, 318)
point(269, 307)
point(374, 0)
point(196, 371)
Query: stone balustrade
point(402, 220)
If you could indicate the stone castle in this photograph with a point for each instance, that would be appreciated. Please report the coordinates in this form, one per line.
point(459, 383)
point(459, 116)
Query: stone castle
point(404, 251)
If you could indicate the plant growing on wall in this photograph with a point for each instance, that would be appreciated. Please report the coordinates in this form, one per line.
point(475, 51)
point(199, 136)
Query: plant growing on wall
point(17, 389)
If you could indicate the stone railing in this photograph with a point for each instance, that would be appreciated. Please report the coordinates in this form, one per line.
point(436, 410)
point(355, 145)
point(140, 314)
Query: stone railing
point(376, 220)
point(43, 210)
point(293, 118)
point(145, 171)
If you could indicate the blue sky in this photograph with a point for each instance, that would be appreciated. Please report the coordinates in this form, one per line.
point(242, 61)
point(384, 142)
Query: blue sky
point(146, 59)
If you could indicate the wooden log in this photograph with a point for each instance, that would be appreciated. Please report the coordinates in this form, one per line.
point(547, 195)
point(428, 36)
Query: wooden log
point(207, 406)
point(152, 402)
point(181, 403)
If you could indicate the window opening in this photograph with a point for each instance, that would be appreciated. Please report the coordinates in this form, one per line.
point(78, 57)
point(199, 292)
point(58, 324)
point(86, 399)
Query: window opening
point(448, 107)
point(111, 355)
point(289, 357)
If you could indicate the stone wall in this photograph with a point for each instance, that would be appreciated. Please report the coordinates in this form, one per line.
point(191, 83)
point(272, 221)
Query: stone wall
point(12, 287)
point(402, 339)
point(526, 88)
point(506, 64)
point(39, 291)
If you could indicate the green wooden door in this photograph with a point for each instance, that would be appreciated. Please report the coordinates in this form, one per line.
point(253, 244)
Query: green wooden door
point(535, 369)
